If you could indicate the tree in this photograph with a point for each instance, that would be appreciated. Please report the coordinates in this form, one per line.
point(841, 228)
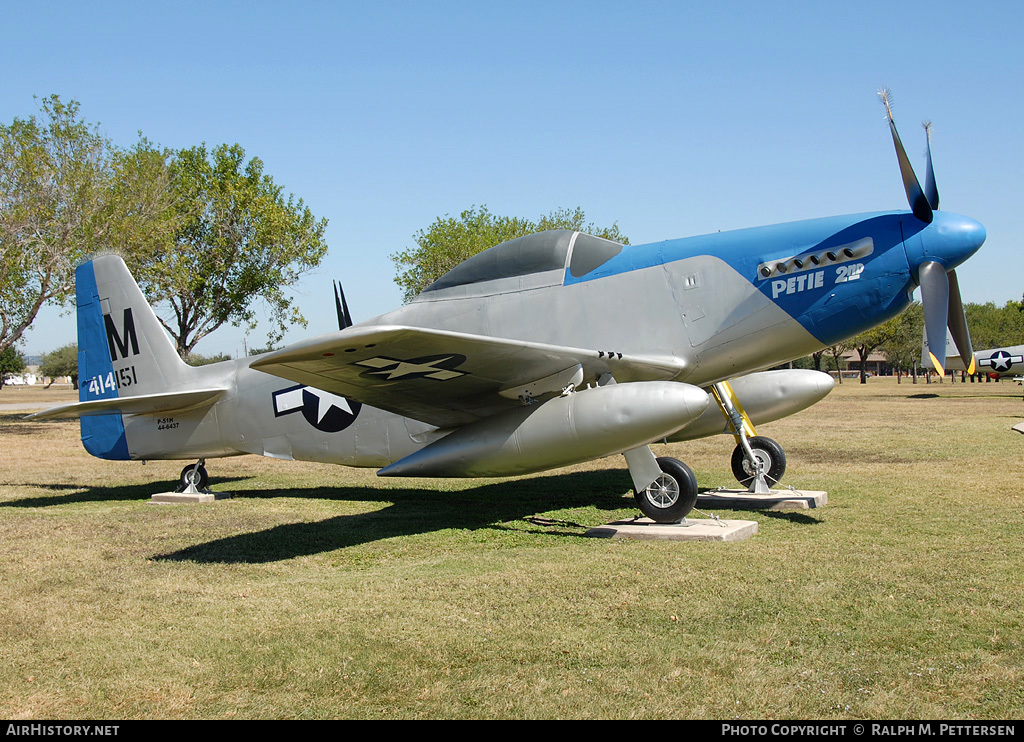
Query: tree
point(53, 173)
point(449, 241)
point(995, 327)
point(11, 362)
point(902, 344)
point(65, 193)
point(140, 205)
point(836, 351)
point(237, 241)
point(261, 351)
point(61, 362)
point(867, 342)
point(197, 359)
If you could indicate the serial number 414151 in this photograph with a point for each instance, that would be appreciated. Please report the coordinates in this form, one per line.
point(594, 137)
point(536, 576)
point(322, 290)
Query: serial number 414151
point(124, 377)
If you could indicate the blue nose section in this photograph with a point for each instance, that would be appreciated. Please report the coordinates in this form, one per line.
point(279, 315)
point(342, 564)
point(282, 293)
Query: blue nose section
point(949, 240)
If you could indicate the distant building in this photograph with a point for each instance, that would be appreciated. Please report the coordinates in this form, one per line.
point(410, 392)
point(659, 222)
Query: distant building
point(876, 365)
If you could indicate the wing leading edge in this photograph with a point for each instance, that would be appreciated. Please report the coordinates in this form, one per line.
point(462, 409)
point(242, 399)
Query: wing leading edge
point(448, 378)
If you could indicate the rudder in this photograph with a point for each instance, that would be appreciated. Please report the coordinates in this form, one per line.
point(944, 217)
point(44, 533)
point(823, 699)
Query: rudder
point(123, 350)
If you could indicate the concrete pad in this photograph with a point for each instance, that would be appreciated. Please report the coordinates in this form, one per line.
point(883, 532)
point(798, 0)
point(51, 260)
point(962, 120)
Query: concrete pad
point(179, 498)
point(688, 530)
point(774, 500)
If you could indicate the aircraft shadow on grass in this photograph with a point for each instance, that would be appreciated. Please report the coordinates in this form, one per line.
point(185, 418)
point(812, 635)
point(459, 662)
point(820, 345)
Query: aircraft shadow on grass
point(412, 511)
point(416, 511)
point(78, 493)
point(790, 516)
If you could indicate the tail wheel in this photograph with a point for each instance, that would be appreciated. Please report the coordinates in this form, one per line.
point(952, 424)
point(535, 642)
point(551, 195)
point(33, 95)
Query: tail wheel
point(670, 497)
point(194, 475)
point(770, 458)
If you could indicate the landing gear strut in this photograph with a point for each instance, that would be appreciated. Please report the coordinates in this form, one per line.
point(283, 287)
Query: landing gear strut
point(194, 478)
point(670, 497)
point(665, 488)
point(770, 459)
point(757, 462)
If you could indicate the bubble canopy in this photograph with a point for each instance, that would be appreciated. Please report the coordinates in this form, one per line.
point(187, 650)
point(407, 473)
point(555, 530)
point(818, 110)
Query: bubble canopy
point(553, 250)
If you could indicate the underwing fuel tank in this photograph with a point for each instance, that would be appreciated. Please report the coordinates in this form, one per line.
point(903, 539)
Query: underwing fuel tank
point(581, 426)
point(765, 396)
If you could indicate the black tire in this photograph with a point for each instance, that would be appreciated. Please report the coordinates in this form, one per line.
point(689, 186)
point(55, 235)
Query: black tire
point(194, 475)
point(771, 456)
point(672, 495)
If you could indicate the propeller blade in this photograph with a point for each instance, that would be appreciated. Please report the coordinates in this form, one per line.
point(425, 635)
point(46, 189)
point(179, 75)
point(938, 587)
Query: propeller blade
point(344, 318)
point(930, 189)
point(915, 196)
point(337, 306)
point(935, 301)
point(957, 321)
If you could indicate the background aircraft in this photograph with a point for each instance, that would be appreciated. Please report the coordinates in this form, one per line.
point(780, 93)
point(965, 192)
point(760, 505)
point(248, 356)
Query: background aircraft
point(1007, 361)
point(544, 351)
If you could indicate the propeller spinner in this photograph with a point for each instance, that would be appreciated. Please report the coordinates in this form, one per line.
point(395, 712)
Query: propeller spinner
point(959, 237)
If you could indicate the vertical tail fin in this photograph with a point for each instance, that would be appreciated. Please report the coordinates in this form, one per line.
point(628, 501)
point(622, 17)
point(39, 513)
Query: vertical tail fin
point(123, 351)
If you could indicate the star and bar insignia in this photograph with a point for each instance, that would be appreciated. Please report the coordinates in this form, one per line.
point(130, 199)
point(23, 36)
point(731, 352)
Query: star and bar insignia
point(438, 368)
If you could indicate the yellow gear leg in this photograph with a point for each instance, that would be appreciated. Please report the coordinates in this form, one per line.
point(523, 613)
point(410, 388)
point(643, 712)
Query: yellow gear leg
point(742, 430)
point(733, 410)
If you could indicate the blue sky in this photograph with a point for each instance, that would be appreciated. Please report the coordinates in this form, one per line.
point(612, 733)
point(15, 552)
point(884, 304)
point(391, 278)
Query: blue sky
point(668, 119)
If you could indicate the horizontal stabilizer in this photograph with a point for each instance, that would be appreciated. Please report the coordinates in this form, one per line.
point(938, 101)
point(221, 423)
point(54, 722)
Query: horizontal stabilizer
point(146, 404)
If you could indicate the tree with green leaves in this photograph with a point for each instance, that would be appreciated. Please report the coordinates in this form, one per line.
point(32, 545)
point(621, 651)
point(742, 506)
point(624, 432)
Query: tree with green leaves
point(238, 241)
point(61, 362)
point(450, 240)
point(902, 343)
point(899, 339)
point(995, 327)
point(65, 193)
point(198, 359)
point(11, 362)
point(867, 342)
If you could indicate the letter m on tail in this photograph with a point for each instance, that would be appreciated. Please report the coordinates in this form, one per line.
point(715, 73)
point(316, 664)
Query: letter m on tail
point(119, 345)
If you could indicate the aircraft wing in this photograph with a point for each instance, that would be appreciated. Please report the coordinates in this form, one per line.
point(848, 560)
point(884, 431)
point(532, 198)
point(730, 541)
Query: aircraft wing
point(449, 378)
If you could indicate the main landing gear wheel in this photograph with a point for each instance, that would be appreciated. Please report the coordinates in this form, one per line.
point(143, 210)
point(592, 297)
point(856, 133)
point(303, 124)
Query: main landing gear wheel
point(194, 475)
point(672, 495)
point(770, 456)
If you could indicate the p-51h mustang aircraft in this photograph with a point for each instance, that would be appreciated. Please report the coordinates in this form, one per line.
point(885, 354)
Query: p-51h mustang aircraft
point(541, 352)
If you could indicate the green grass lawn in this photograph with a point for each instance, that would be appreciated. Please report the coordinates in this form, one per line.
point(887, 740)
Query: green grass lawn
point(322, 592)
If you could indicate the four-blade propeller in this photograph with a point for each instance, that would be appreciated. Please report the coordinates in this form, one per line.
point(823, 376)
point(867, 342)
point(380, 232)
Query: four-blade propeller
point(940, 292)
